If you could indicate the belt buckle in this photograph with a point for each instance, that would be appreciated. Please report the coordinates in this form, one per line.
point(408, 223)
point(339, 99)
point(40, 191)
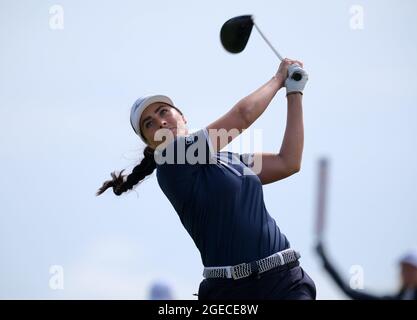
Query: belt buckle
point(235, 276)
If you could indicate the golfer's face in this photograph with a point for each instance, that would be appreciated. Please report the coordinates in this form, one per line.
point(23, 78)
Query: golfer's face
point(159, 116)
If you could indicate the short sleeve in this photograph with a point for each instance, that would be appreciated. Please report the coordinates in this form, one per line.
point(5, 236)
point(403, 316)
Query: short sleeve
point(193, 149)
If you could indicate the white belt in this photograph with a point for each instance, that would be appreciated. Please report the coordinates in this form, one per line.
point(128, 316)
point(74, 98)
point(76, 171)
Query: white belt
point(246, 269)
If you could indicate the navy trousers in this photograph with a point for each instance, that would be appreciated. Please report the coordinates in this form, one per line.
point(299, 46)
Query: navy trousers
point(288, 283)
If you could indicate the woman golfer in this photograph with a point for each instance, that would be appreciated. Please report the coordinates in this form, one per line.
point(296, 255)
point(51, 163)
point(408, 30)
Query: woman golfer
point(218, 195)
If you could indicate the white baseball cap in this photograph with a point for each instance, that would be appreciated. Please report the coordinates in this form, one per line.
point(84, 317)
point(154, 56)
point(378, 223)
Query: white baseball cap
point(140, 105)
point(410, 258)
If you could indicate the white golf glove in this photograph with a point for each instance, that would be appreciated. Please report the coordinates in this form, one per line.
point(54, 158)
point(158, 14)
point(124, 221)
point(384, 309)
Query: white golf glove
point(294, 85)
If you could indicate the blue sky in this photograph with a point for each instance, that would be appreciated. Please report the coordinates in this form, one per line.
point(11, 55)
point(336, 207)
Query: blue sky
point(65, 97)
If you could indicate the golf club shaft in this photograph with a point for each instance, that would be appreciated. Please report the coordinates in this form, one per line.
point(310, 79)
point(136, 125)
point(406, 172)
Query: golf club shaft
point(296, 76)
point(269, 44)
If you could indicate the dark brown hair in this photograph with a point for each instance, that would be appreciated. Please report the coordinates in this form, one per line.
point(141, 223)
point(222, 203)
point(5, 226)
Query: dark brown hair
point(122, 183)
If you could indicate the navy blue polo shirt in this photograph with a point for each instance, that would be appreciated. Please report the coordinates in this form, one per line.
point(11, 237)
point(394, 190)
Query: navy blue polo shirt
point(220, 205)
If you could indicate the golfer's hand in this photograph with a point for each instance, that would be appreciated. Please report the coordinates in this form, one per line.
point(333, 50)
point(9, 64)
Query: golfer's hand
point(293, 84)
point(282, 73)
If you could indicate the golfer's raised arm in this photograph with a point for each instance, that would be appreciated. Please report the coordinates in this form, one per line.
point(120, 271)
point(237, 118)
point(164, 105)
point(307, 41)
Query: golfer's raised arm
point(277, 166)
point(246, 111)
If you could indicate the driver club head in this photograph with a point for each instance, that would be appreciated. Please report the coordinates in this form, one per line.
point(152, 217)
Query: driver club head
point(235, 33)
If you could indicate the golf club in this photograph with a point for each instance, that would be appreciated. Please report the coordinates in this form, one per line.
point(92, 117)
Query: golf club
point(235, 33)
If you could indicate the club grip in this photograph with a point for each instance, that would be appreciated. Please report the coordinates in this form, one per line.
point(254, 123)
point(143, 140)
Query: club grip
point(297, 76)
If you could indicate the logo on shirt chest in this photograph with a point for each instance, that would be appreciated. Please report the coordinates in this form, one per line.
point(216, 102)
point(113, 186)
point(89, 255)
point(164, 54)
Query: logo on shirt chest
point(189, 140)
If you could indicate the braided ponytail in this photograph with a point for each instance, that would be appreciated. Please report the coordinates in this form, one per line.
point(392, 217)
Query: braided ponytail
point(122, 183)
